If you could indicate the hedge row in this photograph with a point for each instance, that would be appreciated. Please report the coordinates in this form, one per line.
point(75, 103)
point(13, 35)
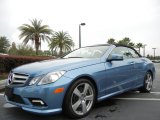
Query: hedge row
point(8, 62)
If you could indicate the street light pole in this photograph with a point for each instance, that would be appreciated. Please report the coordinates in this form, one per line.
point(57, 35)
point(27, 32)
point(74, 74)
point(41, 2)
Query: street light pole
point(82, 24)
point(154, 50)
point(144, 50)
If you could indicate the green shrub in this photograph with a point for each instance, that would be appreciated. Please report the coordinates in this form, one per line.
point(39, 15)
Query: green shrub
point(8, 62)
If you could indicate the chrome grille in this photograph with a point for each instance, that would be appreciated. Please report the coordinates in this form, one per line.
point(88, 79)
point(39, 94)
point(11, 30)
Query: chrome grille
point(19, 78)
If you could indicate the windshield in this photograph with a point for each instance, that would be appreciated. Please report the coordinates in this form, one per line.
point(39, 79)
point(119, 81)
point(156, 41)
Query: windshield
point(88, 52)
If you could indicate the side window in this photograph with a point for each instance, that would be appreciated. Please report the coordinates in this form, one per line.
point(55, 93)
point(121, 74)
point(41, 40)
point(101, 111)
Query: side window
point(123, 51)
point(133, 53)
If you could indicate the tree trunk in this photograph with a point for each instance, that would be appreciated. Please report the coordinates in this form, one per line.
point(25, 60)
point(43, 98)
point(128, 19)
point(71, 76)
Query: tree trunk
point(61, 52)
point(52, 51)
point(37, 44)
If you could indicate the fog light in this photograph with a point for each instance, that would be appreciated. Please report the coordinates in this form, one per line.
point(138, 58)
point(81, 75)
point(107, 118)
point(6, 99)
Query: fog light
point(37, 102)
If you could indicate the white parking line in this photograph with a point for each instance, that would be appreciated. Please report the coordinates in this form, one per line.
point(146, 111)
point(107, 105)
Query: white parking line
point(155, 92)
point(1, 94)
point(142, 99)
point(148, 93)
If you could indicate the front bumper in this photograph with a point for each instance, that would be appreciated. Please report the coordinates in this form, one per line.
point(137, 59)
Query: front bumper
point(43, 111)
point(23, 96)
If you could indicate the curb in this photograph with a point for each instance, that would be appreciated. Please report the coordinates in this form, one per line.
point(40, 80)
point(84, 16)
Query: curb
point(2, 85)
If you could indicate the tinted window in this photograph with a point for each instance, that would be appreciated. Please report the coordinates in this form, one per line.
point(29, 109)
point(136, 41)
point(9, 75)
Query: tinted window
point(133, 53)
point(126, 52)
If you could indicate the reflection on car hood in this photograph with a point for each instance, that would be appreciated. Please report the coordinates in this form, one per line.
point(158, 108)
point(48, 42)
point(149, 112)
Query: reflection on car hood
point(43, 67)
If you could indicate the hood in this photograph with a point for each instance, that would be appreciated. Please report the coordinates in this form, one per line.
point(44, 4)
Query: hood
point(44, 67)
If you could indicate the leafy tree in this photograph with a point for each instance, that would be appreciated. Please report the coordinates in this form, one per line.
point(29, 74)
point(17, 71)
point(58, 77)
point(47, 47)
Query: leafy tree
point(131, 44)
point(47, 53)
point(13, 49)
point(139, 46)
point(4, 44)
point(61, 42)
point(124, 41)
point(35, 32)
point(25, 50)
point(111, 41)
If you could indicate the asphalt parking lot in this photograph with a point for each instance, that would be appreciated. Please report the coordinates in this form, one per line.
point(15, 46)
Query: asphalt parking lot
point(128, 106)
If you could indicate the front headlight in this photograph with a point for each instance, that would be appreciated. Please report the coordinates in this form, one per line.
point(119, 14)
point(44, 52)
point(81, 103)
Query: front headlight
point(51, 77)
point(34, 80)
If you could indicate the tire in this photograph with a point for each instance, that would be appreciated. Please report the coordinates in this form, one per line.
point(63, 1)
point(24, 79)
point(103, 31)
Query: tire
point(79, 99)
point(148, 82)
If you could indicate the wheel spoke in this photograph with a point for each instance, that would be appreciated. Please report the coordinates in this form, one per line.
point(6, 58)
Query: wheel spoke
point(148, 83)
point(76, 105)
point(86, 87)
point(148, 86)
point(77, 92)
point(147, 80)
point(84, 107)
point(150, 78)
point(90, 97)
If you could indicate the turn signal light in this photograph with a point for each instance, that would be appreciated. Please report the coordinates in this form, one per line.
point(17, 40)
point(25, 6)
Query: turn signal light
point(58, 90)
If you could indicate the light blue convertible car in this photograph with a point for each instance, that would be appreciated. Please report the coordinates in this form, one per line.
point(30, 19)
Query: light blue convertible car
point(76, 81)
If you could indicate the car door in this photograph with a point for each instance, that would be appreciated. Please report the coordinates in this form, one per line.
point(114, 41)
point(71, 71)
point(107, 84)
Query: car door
point(138, 67)
point(119, 73)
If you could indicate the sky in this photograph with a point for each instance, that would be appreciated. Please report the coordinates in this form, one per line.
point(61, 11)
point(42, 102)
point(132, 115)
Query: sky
point(137, 19)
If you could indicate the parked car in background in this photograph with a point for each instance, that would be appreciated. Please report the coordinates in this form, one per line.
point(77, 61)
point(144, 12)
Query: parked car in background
point(76, 81)
point(156, 61)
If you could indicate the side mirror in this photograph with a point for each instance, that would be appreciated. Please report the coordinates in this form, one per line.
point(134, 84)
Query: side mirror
point(115, 57)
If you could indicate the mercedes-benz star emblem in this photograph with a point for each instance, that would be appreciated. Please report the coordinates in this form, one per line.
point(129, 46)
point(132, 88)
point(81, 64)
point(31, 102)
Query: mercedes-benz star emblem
point(10, 77)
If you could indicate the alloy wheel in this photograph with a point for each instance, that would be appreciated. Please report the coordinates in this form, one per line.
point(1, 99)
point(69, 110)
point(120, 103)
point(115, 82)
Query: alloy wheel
point(82, 98)
point(148, 81)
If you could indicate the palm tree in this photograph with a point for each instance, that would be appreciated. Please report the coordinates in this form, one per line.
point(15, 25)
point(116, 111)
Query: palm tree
point(35, 32)
point(61, 42)
point(4, 44)
point(139, 46)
